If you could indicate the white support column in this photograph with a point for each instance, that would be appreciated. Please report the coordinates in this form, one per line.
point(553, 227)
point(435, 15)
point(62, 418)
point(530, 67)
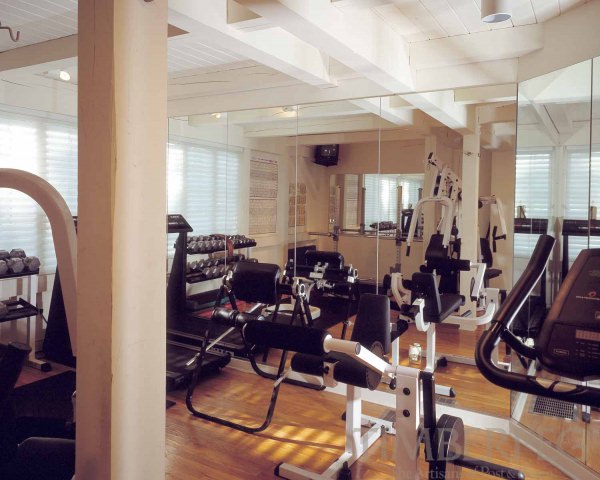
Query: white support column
point(429, 210)
point(468, 225)
point(122, 194)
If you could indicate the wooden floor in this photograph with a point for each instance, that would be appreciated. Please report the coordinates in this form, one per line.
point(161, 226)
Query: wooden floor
point(307, 429)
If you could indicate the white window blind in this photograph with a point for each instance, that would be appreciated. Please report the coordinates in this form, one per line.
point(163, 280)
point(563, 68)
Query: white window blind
point(533, 191)
point(381, 196)
point(202, 185)
point(45, 145)
point(350, 201)
point(582, 191)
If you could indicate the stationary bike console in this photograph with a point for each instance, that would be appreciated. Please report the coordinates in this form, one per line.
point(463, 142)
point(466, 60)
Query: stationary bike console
point(569, 341)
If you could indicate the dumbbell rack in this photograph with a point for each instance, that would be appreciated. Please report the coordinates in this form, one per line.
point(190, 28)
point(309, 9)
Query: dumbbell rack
point(22, 308)
point(184, 329)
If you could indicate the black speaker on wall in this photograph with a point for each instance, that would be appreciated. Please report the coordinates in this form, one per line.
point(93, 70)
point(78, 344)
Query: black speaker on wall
point(327, 155)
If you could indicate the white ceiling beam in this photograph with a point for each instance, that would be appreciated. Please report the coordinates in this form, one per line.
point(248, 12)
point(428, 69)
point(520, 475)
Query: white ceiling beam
point(359, 3)
point(240, 17)
point(477, 47)
point(568, 39)
point(568, 85)
point(49, 55)
point(268, 115)
point(274, 96)
point(492, 114)
point(492, 93)
point(33, 58)
point(356, 41)
point(311, 127)
point(206, 20)
point(381, 107)
point(560, 118)
point(359, 40)
point(397, 101)
point(442, 107)
point(468, 75)
point(408, 136)
point(546, 121)
point(488, 140)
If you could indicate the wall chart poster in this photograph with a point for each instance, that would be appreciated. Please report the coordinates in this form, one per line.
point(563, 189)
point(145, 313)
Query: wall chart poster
point(263, 193)
point(300, 209)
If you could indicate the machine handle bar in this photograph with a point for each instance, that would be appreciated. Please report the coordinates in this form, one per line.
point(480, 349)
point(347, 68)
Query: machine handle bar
point(569, 392)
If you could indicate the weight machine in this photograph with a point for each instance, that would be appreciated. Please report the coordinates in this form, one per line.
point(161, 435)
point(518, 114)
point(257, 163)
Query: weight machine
point(357, 366)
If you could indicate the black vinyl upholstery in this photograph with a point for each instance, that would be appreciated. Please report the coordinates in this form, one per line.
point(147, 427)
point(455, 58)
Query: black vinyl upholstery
point(371, 330)
point(437, 307)
point(35, 458)
point(256, 282)
point(488, 259)
point(285, 337)
point(435, 249)
point(373, 321)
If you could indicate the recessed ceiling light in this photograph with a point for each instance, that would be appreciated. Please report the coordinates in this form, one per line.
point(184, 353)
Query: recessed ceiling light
point(64, 75)
point(495, 11)
point(216, 115)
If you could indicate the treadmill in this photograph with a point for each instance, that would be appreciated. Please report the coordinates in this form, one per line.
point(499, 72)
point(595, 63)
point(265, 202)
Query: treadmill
point(184, 330)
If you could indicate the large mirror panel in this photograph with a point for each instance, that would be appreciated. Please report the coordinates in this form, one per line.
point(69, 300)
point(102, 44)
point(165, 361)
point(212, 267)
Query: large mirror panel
point(556, 182)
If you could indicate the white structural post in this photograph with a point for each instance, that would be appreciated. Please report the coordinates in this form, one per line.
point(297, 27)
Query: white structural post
point(121, 312)
point(468, 227)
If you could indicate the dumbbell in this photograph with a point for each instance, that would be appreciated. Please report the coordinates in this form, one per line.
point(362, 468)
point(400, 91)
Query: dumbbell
point(32, 263)
point(3, 310)
point(16, 264)
point(4, 255)
point(206, 272)
point(17, 253)
point(214, 272)
point(3, 267)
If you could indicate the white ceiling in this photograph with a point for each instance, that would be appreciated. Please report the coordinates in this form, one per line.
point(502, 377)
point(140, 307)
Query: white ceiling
point(189, 54)
point(418, 20)
point(290, 53)
point(37, 20)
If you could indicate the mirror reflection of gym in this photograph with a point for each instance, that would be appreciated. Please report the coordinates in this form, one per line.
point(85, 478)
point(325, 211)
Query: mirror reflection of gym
point(556, 192)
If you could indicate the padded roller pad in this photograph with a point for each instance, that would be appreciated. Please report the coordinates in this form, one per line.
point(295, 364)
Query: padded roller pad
point(333, 259)
point(233, 318)
point(347, 370)
point(285, 337)
point(256, 282)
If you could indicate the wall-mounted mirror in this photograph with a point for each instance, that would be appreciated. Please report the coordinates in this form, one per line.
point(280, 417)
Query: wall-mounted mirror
point(556, 190)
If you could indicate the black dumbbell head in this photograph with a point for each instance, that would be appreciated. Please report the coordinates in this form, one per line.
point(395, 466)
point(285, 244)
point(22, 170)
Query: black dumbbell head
point(17, 253)
point(16, 264)
point(32, 263)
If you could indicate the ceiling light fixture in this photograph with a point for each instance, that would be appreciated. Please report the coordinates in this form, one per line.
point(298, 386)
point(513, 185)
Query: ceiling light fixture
point(495, 11)
point(64, 75)
point(216, 115)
